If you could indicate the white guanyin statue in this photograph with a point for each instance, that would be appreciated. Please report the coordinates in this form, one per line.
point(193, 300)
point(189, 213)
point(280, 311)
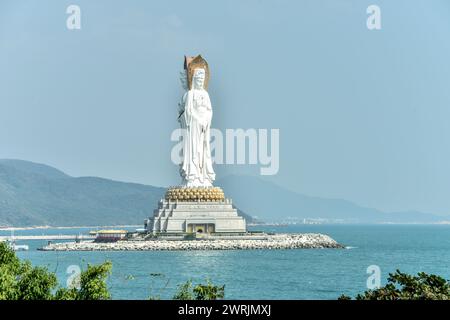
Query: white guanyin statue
point(203, 207)
point(195, 114)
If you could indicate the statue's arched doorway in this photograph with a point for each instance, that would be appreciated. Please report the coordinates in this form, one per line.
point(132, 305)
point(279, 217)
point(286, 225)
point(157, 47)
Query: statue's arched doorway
point(201, 228)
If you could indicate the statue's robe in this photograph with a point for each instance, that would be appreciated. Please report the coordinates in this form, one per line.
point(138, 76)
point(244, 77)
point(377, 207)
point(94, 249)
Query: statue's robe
point(197, 169)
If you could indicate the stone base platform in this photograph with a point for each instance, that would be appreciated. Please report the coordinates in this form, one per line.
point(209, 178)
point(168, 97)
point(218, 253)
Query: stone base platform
point(277, 241)
point(195, 210)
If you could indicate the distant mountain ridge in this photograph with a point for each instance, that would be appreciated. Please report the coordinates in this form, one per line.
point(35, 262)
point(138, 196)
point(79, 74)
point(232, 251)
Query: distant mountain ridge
point(34, 194)
point(271, 202)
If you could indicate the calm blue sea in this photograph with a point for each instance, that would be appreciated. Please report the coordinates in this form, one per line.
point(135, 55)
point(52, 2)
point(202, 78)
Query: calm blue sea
point(266, 274)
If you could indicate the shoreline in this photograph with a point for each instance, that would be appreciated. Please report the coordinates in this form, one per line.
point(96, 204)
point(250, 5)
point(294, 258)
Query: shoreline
point(11, 228)
point(271, 242)
point(62, 228)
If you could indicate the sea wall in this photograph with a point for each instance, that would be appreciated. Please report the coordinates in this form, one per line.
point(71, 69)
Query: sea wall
point(277, 241)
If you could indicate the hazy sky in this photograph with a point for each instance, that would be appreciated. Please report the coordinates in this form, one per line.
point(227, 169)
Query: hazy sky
point(363, 115)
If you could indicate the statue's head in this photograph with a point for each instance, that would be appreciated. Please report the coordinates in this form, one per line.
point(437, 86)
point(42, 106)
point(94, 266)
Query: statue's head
point(198, 78)
point(197, 72)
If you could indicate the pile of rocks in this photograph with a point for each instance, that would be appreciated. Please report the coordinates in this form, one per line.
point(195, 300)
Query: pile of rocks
point(277, 241)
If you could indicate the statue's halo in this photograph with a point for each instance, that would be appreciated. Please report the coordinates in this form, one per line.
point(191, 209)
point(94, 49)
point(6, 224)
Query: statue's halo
point(192, 63)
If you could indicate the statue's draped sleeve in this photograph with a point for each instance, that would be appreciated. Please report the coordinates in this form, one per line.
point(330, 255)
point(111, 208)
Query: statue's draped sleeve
point(188, 108)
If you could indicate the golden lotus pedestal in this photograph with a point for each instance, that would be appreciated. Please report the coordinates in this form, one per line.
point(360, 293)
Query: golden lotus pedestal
point(195, 210)
point(195, 194)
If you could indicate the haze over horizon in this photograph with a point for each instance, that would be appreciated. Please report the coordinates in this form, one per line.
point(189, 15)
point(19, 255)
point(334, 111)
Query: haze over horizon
point(33, 194)
point(246, 192)
point(363, 115)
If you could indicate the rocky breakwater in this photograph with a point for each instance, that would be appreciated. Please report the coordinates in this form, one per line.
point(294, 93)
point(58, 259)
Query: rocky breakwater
point(277, 241)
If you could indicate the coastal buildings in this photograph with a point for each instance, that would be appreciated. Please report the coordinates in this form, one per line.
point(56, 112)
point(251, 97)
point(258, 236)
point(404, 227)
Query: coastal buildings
point(110, 235)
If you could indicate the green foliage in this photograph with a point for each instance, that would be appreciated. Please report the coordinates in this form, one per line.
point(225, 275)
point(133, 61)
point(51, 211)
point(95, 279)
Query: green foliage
point(67, 294)
point(21, 281)
point(184, 292)
point(92, 285)
point(8, 284)
point(36, 284)
point(208, 291)
point(7, 258)
point(402, 286)
point(93, 282)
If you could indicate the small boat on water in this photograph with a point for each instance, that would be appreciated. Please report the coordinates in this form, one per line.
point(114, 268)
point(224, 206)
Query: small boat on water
point(17, 247)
